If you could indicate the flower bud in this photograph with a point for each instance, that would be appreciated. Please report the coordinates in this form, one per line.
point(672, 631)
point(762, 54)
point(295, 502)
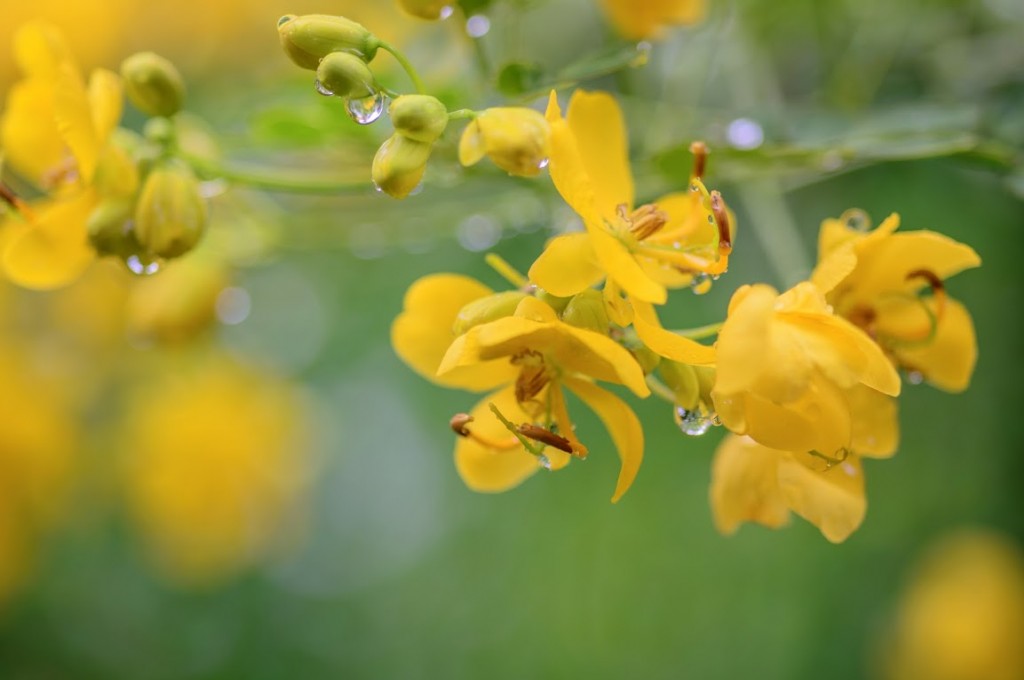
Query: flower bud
point(345, 75)
point(109, 228)
point(587, 310)
point(517, 139)
point(489, 308)
point(399, 165)
point(170, 216)
point(419, 117)
point(309, 38)
point(153, 84)
point(427, 9)
point(682, 380)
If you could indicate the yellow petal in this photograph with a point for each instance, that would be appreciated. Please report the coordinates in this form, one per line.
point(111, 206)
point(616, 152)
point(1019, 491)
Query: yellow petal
point(28, 132)
point(54, 250)
point(665, 343)
point(567, 265)
point(621, 266)
point(471, 145)
point(876, 429)
point(619, 310)
point(836, 233)
point(596, 122)
point(831, 500)
point(566, 166)
point(883, 265)
point(744, 485)
point(637, 20)
point(948, 360)
point(834, 267)
point(74, 120)
point(39, 49)
point(105, 102)
point(422, 333)
point(623, 426)
point(493, 470)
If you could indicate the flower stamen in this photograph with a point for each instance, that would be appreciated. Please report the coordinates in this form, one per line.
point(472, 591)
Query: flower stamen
point(700, 153)
point(643, 222)
point(545, 436)
point(722, 222)
point(10, 198)
point(459, 424)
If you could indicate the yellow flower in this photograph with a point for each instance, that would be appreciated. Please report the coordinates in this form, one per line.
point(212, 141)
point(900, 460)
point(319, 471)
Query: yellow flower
point(755, 483)
point(875, 278)
point(54, 132)
point(638, 19)
point(547, 355)
point(642, 250)
point(215, 467)
point(37, 446)
point(785, 364)
point(515, 138)
point(962, 618)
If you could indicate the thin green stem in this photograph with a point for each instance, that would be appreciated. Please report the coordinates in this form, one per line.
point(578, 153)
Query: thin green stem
point(405, 64)
point(270, 180)
point(511, 427)
point(462, 114)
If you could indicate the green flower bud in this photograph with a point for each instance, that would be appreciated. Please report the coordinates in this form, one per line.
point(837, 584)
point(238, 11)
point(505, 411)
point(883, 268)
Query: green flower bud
point(587, 310)
point(109, 227)
point(153, 84)
point(399, 165)
point(170, 216)
point(309, 38)
point(647, 358)
point(345, 75)
point(419, 117)
point(681, 379)
point(427, 9)
point(488, 308)
point(517, 139)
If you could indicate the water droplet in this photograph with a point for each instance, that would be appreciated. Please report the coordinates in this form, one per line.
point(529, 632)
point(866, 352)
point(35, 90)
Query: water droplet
point(543, 163)
point(700, 284)
point(915, 377)
point(284, 20)
point(142, 265)
point(446, 12)
point(477, 26)
point(744, 133)
point(323, 89)
point(366, 110)
point(857, 220)
point(694, 422)
point(544, 461)
point(643, 54)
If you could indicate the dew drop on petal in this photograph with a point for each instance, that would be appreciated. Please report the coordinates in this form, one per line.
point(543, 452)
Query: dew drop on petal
point(543, 163)
point(544, 461)
point(693, 422)
point(366, 110)
point(323, 89)
point(700, 284)
point(142, 265)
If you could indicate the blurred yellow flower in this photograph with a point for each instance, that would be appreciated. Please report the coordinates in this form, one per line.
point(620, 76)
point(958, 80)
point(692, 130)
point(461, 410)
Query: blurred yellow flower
point(786, 365)
point(636, 19)
point(642, 250)
point(54, 132)
point(875, 278)
point(962, 618)
point(37, 446)
point(215, 467)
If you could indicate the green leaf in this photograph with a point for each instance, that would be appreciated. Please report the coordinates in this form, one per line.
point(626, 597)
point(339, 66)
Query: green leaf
point(517, 78)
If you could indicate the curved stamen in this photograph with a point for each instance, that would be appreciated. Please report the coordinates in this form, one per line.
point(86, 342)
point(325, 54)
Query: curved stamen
point(722, 221)
point(545, 436)
point(459, 424)
point(938, 290)
point(700, 153)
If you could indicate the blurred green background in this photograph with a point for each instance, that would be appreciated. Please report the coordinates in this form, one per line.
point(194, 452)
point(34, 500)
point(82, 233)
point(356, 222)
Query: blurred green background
point(399, 571)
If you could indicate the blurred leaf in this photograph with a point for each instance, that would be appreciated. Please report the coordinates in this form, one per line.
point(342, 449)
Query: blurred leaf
point(517, 78)
point(593, 66)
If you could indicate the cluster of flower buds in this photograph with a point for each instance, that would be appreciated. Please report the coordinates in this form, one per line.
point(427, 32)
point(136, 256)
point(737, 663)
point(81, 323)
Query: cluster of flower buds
point(516, 139)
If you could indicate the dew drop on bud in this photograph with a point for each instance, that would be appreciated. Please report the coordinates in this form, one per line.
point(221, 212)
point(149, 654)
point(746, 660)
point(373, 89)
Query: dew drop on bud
point(544, 461)
point(141, 265)
point(700, 284)
point(366, 110)
point(694, 422)
point(543, 163)
point(323, 89)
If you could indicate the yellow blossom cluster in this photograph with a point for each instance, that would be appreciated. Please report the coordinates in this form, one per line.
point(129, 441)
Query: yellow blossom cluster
point(805, 381)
